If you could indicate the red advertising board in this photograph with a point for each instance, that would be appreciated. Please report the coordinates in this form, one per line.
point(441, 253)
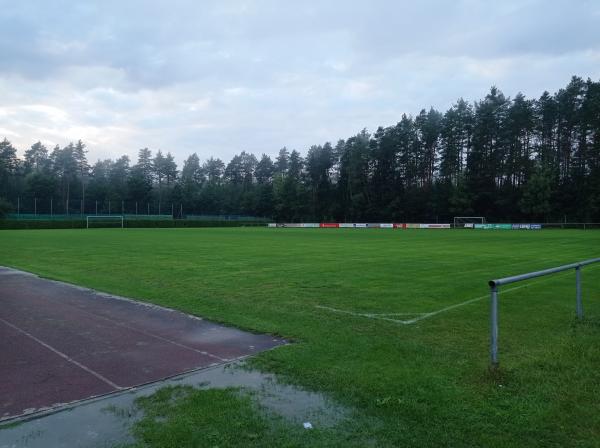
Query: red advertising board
point(330, 225)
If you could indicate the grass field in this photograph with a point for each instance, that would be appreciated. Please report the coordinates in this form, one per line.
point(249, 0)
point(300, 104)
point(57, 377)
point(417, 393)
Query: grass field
point(339, 295)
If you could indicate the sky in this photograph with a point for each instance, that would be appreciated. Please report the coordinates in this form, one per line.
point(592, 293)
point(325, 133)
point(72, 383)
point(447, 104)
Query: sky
point(217, 78)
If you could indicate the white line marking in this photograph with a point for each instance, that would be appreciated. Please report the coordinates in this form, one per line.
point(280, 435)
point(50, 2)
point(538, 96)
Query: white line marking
point(433, 313)
point(102, 294)
point(368, 316)
point(451, 307)
point(126, 299)
point(62, 355)
point(152, 335)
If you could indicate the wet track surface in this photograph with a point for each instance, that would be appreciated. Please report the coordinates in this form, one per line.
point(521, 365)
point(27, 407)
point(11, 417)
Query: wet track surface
point(61, 343)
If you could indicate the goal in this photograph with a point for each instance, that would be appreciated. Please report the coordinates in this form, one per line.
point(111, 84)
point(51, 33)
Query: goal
point(97, 221)
point(467, 222)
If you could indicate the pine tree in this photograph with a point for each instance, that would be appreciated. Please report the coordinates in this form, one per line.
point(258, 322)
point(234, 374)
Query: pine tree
point(36, 158)
point(170, 169)
point(264, 170)
point(282, 162)
point(192, 173)
point(214, 169)
point(145, 165)
point(8, 166)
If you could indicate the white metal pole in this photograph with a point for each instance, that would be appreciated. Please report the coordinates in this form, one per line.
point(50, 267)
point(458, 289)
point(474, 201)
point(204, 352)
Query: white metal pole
point(578, 292)
point(494, 327)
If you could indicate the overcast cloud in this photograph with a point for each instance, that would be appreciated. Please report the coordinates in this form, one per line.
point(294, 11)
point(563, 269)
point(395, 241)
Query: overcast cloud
point(220, 77)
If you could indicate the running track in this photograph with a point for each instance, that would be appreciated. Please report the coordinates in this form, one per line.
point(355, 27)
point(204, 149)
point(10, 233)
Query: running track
point(60, 343)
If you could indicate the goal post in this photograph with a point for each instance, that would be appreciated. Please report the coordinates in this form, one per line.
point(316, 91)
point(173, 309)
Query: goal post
point(467, 221)
point(97, 221)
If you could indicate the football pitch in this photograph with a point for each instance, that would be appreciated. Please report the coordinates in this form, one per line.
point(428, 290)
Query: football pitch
point(391, 324)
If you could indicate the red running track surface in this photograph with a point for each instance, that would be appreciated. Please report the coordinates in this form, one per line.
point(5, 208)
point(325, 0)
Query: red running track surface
point(60, 343)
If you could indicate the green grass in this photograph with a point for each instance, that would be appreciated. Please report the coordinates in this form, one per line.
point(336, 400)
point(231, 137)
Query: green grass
point(181, 417)
point(425, 384)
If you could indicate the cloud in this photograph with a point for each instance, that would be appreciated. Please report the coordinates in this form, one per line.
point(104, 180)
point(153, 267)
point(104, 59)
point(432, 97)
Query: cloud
point(217, 78)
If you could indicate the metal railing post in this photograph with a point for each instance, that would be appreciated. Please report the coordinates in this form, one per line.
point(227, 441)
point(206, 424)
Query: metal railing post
point(495, 284)
point(494, 326)
point(578, 292)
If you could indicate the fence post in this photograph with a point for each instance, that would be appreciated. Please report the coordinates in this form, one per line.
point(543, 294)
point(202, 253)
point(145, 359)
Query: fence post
point(494, 326)
point(578, 292)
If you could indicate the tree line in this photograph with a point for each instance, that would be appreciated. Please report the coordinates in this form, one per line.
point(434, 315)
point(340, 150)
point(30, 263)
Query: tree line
point(506, 159)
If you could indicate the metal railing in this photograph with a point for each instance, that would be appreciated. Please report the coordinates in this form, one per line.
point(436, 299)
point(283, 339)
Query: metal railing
point(495, 284)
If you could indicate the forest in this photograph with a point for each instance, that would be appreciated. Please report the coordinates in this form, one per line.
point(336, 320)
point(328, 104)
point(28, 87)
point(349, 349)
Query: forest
point(508, 159)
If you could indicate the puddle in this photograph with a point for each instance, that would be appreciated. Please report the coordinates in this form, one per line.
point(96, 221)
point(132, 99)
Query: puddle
point(105, 422)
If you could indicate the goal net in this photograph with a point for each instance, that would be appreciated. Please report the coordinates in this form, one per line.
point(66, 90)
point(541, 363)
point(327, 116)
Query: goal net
point(95, 221)
point(467, 222)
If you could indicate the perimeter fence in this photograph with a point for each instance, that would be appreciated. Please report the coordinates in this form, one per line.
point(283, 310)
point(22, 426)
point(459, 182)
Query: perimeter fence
point(34, 213)
point(54, 209)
